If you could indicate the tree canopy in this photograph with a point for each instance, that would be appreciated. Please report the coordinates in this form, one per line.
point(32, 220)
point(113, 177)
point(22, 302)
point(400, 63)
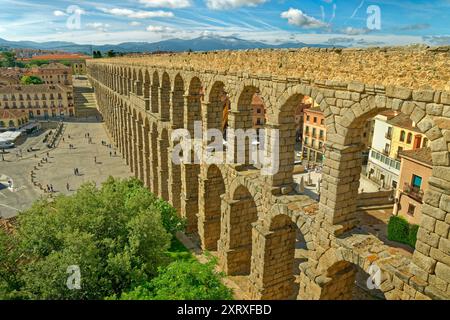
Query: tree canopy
point(115, 234)
point(31, 80)
point(8, 60)
point(120, 237)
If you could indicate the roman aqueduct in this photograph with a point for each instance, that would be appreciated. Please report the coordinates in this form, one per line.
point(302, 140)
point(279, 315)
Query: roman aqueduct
point(254, 221)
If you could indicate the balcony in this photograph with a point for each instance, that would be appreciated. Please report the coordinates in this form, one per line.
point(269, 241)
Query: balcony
point(414, 192)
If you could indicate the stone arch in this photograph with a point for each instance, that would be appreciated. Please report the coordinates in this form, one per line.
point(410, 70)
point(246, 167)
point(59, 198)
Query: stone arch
point(139, 83)
point(210, 203)
point(147, 154)
point(140, 147)
point(235, 244)
point(343, 167)
point(215, 107)
point(154, 158)
point(242, 118)
point(190, 171)
point(340, 275)
point(193, 106)
point(147, 84)
point(135, 143)
point(163, 151)
point(164, 111)
point(177, 114)
point(154, 95)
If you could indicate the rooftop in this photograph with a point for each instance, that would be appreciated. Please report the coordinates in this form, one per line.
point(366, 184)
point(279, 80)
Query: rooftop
point(54, 65)
point(6, 114)
point(403, 121)
point(422, 155)
point(34, 88)
point(62, 56)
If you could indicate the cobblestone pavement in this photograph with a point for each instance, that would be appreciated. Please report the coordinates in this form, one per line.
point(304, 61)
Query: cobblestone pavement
point(59, 170)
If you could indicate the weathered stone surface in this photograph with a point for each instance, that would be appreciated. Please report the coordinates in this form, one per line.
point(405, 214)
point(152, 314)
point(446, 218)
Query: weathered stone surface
point(398, 92)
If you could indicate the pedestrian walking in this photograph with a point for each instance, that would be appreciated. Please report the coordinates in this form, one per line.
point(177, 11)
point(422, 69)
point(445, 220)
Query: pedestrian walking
point(51, 188)
point(110, 154)
point(48, 188)
point(68, 186)
point(95, 159)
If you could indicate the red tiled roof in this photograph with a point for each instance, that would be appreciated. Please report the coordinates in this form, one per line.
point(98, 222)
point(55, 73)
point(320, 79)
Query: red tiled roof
point(11, 114)
point(67, 56)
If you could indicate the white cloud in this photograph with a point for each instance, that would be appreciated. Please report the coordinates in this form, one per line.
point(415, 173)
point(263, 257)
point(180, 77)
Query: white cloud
point(99, 26)
point(159, 29)
point(173, 4)
point(231, 4)
point(355, 31)
point(297, 18)
point(135, 23)
point(137, 14)
point(59, 13)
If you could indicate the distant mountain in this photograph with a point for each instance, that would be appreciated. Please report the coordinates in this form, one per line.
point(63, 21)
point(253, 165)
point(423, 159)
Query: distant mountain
point(205, 43)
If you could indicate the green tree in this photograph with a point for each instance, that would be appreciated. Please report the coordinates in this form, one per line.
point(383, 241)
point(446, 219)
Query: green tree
point(97, 54)
point(183, 280)
point(31, 80)
point(115, 235)
point(8, 59)
point(111, 54)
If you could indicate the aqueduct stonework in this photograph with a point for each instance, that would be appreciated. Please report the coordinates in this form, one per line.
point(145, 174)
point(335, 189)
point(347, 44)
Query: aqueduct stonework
point(253, 220)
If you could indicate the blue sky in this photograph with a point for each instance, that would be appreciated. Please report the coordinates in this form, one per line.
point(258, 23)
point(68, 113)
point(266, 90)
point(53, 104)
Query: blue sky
point(348, 22)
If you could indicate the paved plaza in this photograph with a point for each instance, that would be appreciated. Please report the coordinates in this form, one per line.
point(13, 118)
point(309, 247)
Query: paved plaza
point(59, 170)
point(312, 190)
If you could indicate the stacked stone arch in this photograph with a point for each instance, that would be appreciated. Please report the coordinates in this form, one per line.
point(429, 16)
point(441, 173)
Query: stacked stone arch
point(145, 103)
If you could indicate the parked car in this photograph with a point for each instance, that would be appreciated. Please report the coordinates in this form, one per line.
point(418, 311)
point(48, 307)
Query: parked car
point(6, 145)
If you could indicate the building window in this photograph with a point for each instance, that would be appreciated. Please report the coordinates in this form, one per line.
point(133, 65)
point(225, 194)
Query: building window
point(307, 118)
point(258, 110)
point(322, 122)
point(425, 143)
point(402, 136)
point(315, 119)
point(409, 139)
point(394, 184)
point(314, 132)
point(411, 209)
point(306, 130)
point(416, 182)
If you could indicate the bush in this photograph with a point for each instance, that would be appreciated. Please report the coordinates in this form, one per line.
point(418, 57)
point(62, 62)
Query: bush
point(183, 280)
point(401, 231)
point(115, 235)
